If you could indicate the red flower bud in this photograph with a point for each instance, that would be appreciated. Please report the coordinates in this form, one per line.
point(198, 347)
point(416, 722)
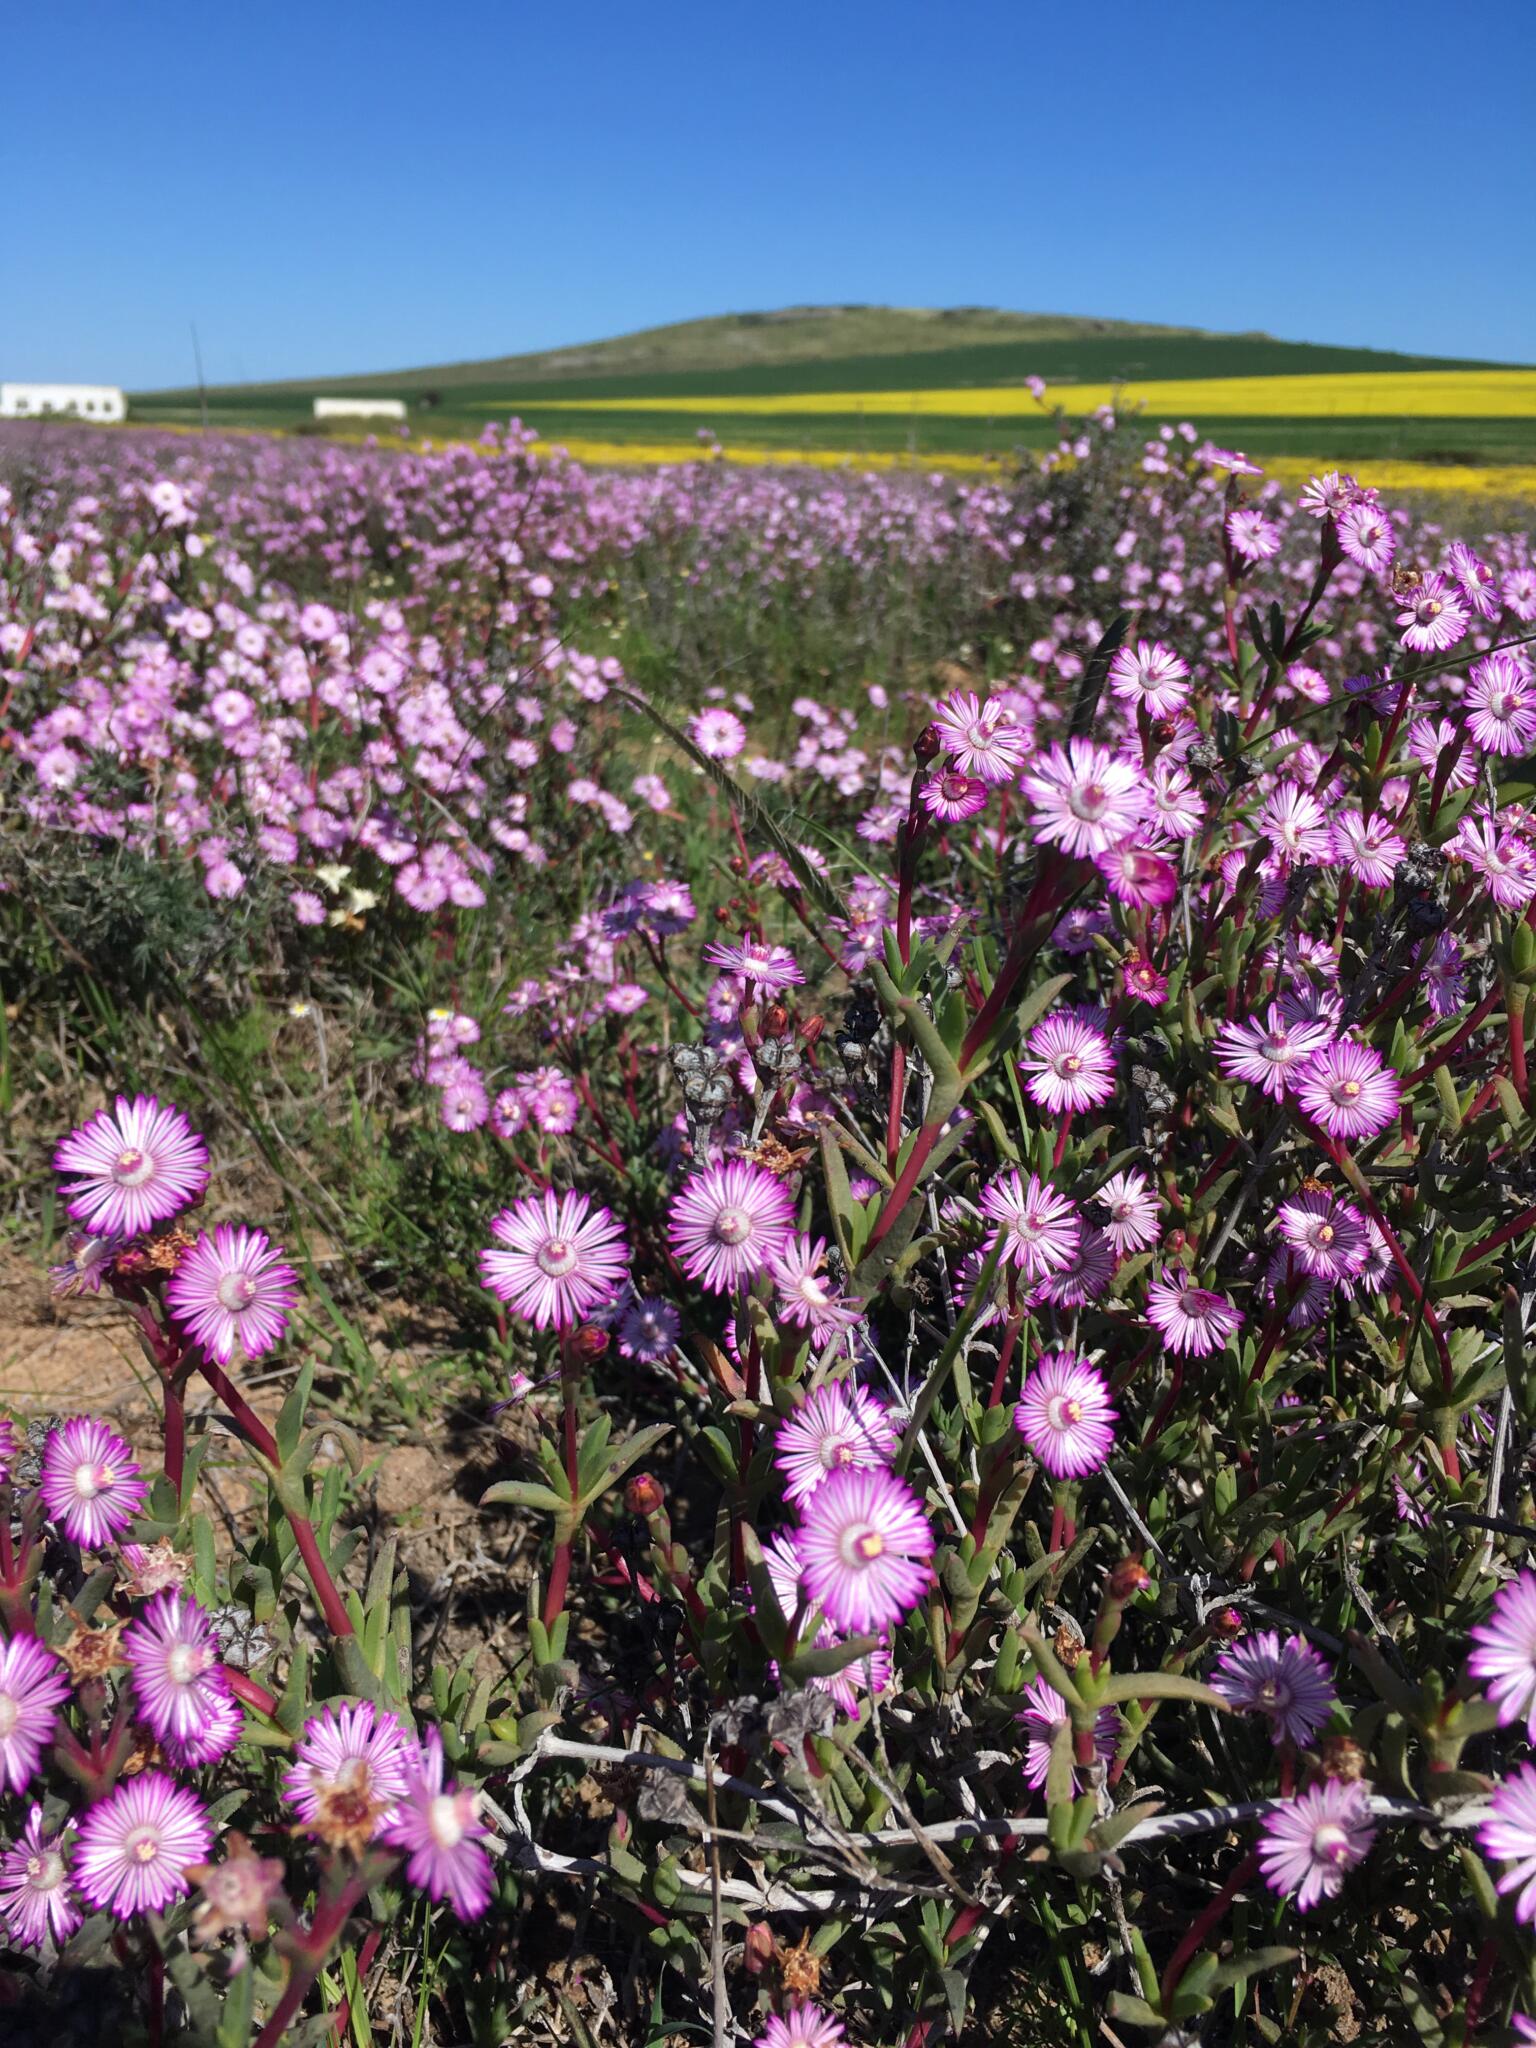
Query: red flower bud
point(1128, 1578)
point(928, 745)
point(589, 1343)
point(644, 1494)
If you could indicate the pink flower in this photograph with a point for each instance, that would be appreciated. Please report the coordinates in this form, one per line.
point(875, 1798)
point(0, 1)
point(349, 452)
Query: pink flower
point(1286, 1681)
point(1150, 674)
point(1066, 1416)
point(864, 1549)
point(1307, 1845)
point(233, 1288)
point(556, 1258)
point(1367, 847)
point(357, 1748)
point(768, 970)
point(1040, 1226)
point(1501, 701)
point(1510, 1834)
point(718, 733)
point(1506, 862)
point(1433, 615)
point(1252, 536)
point(803, 2026)
point(839, 1425)
point(438, 1827)
point(728, 1223)
point(1137, 874)
point(1085, 798)
point(32, 1683)
point(1069, 1064)
point(37, 1901)
point(806, 1296)
point(1295, 824)
point(981, 740)
point(1349, 1090)
point(180, 1687)
point(1327, 1235)
point(1043, 1714)
point(1266, 1055)
point(1188, 1318)
point(90, 1482)
point(138, 1165)
point(1366, 536)
point(951, 797)
point(1505, 1657)
point(135, 1847)
point(870, 1673)
point(1132, 1210)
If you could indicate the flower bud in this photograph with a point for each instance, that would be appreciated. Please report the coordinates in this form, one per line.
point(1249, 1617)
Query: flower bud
point(928, 745)
point(589, 1343)
point(1343, 1758)
point(757, 1949)
point(644, 1494)
point(1128, 1578)
point(775, 1021)
point(1226, 1624)
point(812, 1029)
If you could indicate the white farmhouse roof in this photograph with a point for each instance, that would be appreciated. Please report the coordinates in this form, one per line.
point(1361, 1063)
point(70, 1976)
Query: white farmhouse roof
point(81, 401)
point(359, 408)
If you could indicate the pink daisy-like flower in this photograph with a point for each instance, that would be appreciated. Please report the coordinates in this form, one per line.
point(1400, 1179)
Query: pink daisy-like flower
point(1188, 1318)
point(1348, 1089)
point(1327, 496)
point(234, 1288)
point(1306, 1294)
point(90, 1482)
point(10, 1444)
point(1266, 1055)
point(728, 1223)
point(1505, 1658)
point(649, 1330)
point(768, 970)
point(1506, 862)
point(1366, 536)
point(1084, 1278)
point(1368, 847)
point(1132, 1210)
point(840, 1424)
point(1150, 673)
point(1085, 798)
point(804, 2026)
point(1430, 740)
point(87, 1262)
point(1307, 1845)
point(1433, 616)
point(1479, 585)
point(1143, 982)
point(718, 733)
point(555, 1259)
point(981, 740)
point(806, 1295)
point(1509, 1833)
point(1066, 1416)
point(180, 1687)
point(137, 1165)
point(1251, 535)
point(1287, 1681)
point(1138, 875)
point(32, 1683)
point(865, 1548)
point(1041, 1716)
point(867, 1674)
point(1295, 824)
point(1041, 1227)
point(951, 796)
point(438, 1827)
point(1327, 1235)
point(1069, 1064)
point(1501, 702)
point(37, 1901)
point(359, 1749)
point(135, 1847)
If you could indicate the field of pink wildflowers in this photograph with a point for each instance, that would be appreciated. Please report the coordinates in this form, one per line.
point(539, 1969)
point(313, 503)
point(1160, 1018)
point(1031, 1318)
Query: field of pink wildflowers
point(945, 1067)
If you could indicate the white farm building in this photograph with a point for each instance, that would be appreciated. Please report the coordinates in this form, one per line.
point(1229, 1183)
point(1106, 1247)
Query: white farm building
point(78, 401)
point(359, 408)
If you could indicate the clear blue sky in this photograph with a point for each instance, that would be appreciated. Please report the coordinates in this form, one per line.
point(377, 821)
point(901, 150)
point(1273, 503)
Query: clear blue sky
point(334, 187)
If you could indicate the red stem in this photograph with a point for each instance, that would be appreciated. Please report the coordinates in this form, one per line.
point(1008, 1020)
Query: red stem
point(330, 1918)
point(1201, 1926)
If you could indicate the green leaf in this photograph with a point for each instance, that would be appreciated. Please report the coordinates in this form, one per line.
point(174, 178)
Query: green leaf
point(621, 1459)
point(814, 1663)
point(1156, 1685)
point(523, 1493)
point(1091, 688)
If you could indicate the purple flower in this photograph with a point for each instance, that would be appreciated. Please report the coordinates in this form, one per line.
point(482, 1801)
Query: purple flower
point(359, 1749)
point(1132, 1210)
point(90, 1482)
point(981, 740)
point(233, 1288)
point(1066, 1416)
point(864, 1549)
point(556, 1258)
point(1505, 1658)
point(436, 1824)
point(1327, 1235)
point(1433, 616)
point(806, 1296)
point(1041, 1716)
point(135, 1848)
point(1254, 537)
point(952, 797)
point(180, 1686)
point(1287, 1681)
point(32, 1683)
point(839, 1425)
point(1085, 798)
point(1366, 536)
point(1349, 1090)
point(1265, 1055)
point(10, 1444)
point(1501, 701)
point(767, 970)
point(37, 1901)
point(728, 1223)
point(648, 1330)
point(1150, 674)
point(138, 1164)
point(1188, 1318)
point(870, 1673)
point(1040, 1226)
point(1509, 1833)
point(1307, 1845)
point(1069, 1064)
point(803, 2026)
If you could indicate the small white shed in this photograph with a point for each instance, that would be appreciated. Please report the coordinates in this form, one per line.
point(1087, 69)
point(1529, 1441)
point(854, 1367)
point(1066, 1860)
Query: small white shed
point(359, 408)
point(78, 401)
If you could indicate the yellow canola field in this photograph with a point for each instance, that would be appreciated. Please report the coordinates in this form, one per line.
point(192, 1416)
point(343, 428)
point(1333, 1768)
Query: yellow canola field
point(1394, 394)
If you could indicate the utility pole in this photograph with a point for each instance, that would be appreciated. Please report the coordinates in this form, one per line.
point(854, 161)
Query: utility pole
point(202, 389)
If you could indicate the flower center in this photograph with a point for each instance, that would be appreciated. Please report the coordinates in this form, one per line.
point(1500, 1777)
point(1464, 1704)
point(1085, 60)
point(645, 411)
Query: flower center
point(10, 1713)
point(1324, 1233)
point(132, 1167)
point(869, 1545)
point(733, 1227)
point(45, 1873)
point(1330, 1843)
point(1071, 1063)
point(142, 1845)
point(236, 1291)
point(445, 1821)
point(556, 1257)
point(1063, 1411)
point(89, 1480)
point(1088, 801)
point(184, 1663)
point(835, 1451)
point(1349, 1090)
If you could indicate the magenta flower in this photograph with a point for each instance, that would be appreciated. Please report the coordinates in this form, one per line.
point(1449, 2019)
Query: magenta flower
point(1505, 1658)
point(951, 797)
point(438, 1827)
point(767, 970)
point(32, 1683)
point(1295, 824)
point(1501, 702)
point(1069, 1064)
point(1308, 1844)
point(1366, 536)
point(1252, 536)
point(556, 1258)
point(840, 1424)
point(233, 1288)
point(806, 1296)
point(1327, 1235)
point(1265, 1055)
point(981, 740)
point(868, 1674)
point(648, 1330)
point(1506, 862)
point(1138, 875)
point(10, 1444)
point(90, 1482)
point(1188, 1318)
point(37, 1901)
point(1040, 1226)
point(803, 2026)
point(864, 1549)
point(1132, 1209)
point(1150, 673)
point(1479, 586)
point(1084, 1277)
point(728, 1223)
point(1510, 1834)
point(1287, 1681)
point(1085, 798)
point(1349, 1090)
point(135, 1847)
point(180, 1686)
point(1433, 616)
point(1066, 1416)
point(718, 733)
point(359, 1749)
point(1044, 1712)
point(138, 1165)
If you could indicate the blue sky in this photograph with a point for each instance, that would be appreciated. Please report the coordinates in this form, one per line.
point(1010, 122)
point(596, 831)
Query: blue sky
point(337, 187)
